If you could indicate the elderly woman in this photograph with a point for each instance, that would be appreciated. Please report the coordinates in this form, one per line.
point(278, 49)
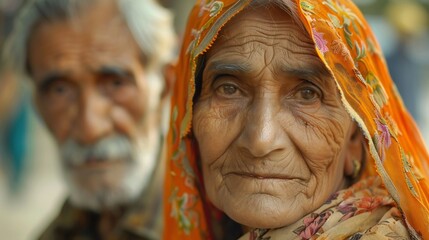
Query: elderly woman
point(286, 125)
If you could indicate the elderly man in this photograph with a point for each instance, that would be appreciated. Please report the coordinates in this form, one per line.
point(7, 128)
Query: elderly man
point(97, 67)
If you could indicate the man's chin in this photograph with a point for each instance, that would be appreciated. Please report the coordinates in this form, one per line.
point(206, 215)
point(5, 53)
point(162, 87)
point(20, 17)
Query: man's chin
point(100, 200)
point(101, 197)
point(103, 186)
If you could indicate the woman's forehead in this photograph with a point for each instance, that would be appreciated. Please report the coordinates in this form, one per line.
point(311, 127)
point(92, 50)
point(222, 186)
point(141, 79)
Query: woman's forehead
point(269, 25)
point(269, 31)
point(261, 14)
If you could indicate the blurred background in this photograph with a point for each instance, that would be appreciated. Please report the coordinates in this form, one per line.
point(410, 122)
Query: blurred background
point(31, 187)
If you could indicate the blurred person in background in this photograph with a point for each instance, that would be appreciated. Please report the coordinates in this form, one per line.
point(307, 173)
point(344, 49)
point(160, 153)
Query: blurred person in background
point(14, 110)
point(98, 72)
point(409, 61)
point(402, 28)
point(409, 20)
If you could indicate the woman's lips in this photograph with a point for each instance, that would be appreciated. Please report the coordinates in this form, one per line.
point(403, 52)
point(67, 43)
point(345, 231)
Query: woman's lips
point(262, 176)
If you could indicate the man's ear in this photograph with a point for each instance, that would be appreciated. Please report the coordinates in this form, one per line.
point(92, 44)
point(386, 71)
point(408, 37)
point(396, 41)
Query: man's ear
point(169, 78)
point(355, 153)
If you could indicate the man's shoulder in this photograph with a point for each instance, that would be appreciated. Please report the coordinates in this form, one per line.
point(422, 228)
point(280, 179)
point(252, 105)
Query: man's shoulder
point(68, 223)
point(139, 222)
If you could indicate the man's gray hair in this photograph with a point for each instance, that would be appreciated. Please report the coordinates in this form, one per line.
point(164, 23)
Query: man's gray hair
point(149, 23)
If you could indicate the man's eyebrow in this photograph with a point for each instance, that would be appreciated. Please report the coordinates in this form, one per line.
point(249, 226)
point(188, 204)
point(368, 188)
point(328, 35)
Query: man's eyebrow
point(114, 70)
point(221, 66)
point(50, 78)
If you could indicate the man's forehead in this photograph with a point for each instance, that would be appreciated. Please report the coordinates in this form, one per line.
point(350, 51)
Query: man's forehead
point(64, 43)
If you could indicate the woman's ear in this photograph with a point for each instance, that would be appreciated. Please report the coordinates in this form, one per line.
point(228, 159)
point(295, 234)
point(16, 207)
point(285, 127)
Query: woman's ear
point(355, 154)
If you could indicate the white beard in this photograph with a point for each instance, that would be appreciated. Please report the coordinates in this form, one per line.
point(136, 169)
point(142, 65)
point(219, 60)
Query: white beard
point(104, 192)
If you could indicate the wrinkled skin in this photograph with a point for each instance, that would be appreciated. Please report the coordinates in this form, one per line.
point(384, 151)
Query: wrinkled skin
point(274, 138)
point(91, 86)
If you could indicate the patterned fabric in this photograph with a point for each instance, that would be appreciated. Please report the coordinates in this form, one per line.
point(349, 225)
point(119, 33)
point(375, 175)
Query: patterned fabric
point(345, 43)
point(365, 210)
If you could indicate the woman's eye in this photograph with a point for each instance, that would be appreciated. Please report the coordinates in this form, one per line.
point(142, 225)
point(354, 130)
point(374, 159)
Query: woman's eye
point(308, 94)
point(227, 89)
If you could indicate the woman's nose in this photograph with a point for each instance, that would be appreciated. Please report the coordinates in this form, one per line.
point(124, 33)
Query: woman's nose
point(92, 122)
point(263, 132)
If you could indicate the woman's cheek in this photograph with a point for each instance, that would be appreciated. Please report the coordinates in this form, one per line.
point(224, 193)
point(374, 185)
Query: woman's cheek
point(326, 138)
point(210, 130)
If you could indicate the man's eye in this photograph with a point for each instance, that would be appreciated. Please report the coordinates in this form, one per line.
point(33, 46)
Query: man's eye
point(58, 92)
point(115, 85)
point(58, 88)
point(117, 82)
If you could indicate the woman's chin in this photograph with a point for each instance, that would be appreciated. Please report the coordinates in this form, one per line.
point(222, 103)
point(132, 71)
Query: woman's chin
point(259, 220)
point(262, 211)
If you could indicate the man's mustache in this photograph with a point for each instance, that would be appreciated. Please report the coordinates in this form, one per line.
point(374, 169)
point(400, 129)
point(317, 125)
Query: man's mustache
point(111, 148)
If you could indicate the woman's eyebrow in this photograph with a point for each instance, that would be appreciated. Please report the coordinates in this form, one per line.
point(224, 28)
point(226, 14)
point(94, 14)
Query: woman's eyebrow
point(309, 71)
point(221, 66)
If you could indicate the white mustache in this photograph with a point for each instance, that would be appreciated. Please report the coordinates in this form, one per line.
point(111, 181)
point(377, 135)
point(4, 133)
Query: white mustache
point(107, 149)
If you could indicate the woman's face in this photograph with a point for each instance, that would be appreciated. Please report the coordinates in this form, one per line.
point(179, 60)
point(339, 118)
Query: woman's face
point(272, 132)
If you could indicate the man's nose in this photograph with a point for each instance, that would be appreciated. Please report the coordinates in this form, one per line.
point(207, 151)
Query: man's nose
point(93, 121)
point(263, 132)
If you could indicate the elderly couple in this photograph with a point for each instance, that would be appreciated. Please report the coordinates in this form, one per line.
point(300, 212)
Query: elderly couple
point(284, 121)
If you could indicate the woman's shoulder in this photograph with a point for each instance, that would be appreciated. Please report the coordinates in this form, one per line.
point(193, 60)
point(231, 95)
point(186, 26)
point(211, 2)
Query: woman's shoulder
point(365, 210)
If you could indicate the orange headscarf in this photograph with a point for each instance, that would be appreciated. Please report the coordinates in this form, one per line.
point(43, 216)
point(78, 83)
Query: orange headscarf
point(346, 45)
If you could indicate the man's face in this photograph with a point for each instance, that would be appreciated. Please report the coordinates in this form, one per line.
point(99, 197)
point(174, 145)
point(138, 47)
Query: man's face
point(99, 102)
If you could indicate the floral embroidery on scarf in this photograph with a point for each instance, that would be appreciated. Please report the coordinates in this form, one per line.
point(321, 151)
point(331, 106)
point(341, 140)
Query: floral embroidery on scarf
point(259, 234)
point(360, 51)
point(382, 138)
point(182, 210)
point(409, 171)
point(332, 198)
point(182, 206)
point(180, 159)
point(379, 94)
point(395, 132)
point(196, 33)
point(320, 41)
point(312, 224)
point(356, 236)
point(174, 115)
point(214, 7)
point(307, 6)
point(338, 47)
point(348, 16)
point(351, 202)
point(354, 206)
point(359, 76)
